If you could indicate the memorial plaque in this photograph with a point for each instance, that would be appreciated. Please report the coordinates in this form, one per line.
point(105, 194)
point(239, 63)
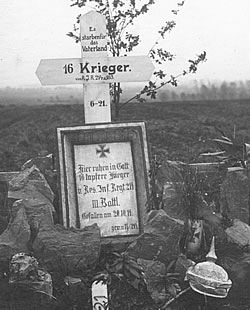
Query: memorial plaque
point(104, 177)
point(106, 187)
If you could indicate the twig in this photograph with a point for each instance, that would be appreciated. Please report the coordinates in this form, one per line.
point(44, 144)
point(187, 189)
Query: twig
point(175, 220)
point(176, 297)
point(49, 295)
point(142, 92)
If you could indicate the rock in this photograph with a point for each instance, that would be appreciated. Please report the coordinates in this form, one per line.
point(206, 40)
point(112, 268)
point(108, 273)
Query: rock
point(67, 250)
point(35, 213)
point(235, 194)
point(239, 273)
point(15, 238)
point(239, 234)
point(160, 239)
point(71, 281)
point(22, 267)
point(182, 264)
point(155, 273)
point(44, 161)
point(30, 184)
point(26, 275)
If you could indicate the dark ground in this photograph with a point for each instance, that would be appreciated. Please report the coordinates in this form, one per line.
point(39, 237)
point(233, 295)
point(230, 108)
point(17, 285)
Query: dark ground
point(179, 130)
point(176, 130)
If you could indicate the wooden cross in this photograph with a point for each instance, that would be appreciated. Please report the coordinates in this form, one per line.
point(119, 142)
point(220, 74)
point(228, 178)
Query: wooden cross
point(95, 70)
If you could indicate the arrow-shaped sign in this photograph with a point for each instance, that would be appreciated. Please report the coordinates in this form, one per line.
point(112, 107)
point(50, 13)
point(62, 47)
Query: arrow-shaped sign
point(94, 70)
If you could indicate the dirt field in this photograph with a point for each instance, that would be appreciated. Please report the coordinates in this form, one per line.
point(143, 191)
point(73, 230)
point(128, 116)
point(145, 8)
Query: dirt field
point(179, 130)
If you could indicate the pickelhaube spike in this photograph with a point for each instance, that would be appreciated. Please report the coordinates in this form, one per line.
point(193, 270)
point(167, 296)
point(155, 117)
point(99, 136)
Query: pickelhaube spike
point(211, 255)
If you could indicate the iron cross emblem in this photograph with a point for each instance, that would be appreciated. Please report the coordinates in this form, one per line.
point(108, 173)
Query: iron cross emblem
point(102, 151)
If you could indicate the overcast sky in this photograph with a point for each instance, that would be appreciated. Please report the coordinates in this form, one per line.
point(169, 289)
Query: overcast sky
point(34, 29)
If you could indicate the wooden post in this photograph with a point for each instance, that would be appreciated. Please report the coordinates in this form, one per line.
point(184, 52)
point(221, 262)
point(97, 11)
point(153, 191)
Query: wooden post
point(99, 296)
point(97, 108)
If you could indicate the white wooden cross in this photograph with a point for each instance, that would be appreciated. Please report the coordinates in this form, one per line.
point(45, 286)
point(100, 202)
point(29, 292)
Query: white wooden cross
point(95, 70)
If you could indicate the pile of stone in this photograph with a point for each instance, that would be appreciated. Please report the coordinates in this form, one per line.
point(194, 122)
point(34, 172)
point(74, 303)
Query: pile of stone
point(31, 237)
point(33, 247)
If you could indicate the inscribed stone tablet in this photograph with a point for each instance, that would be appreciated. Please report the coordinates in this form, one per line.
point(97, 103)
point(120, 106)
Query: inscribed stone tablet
point(104, 178)
point(106, 188)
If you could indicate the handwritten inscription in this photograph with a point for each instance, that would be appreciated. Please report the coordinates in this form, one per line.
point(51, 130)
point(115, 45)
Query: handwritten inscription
point(106, 188)
point(99, 296)
point(91, 78)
